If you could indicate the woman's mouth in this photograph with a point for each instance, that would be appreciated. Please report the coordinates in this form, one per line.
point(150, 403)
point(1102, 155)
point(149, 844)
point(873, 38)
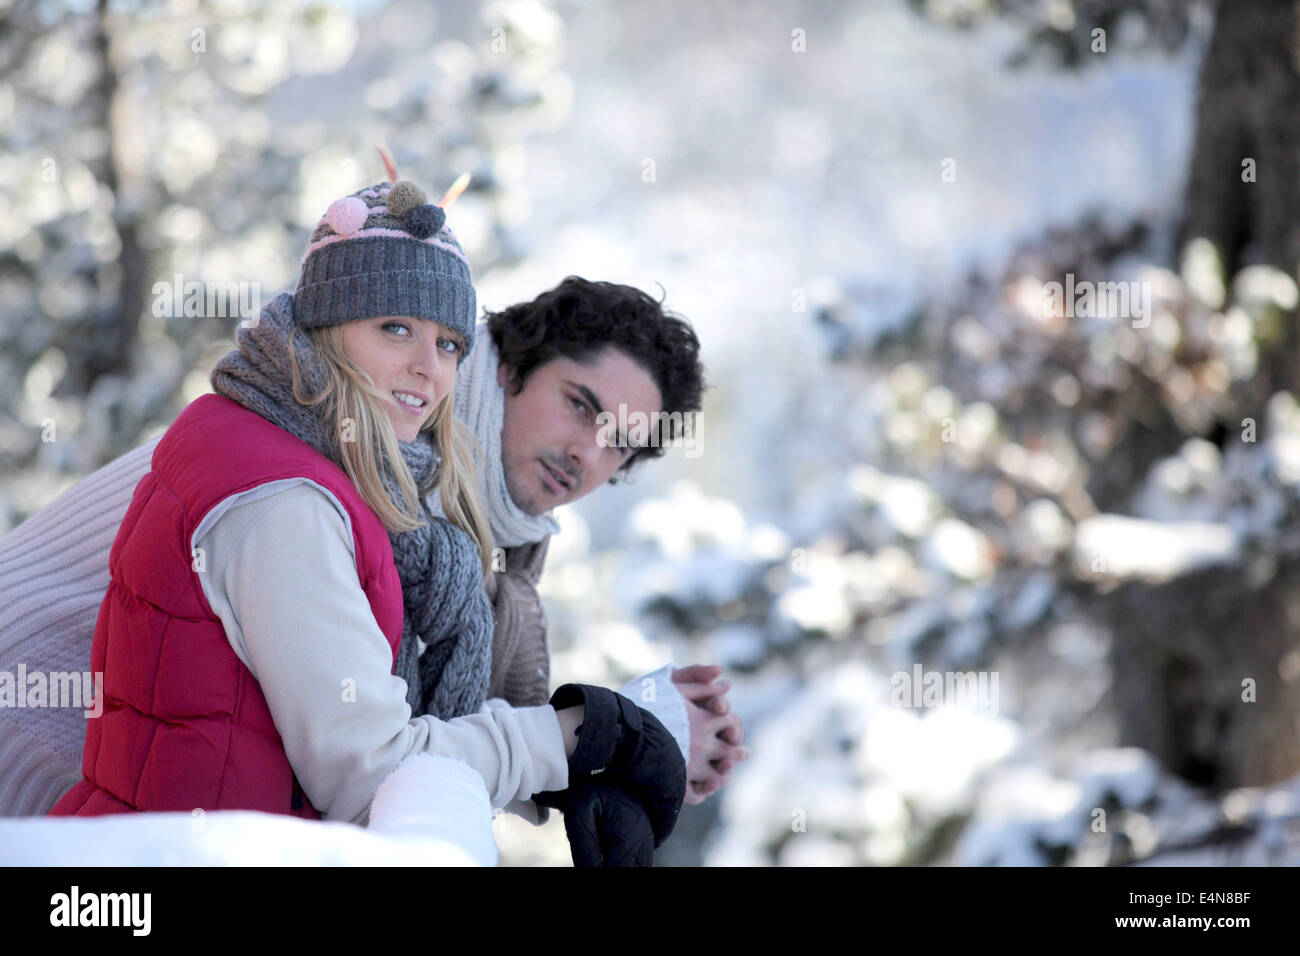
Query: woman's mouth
point(412, 403)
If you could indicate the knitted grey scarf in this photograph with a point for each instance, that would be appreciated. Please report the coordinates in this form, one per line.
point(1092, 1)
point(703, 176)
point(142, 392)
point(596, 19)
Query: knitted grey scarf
point(445, 604)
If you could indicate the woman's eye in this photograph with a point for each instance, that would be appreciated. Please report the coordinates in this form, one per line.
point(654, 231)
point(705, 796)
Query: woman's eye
point(389, 326)
point(455, 346)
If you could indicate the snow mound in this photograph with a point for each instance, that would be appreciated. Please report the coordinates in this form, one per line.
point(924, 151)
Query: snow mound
point(431, 811)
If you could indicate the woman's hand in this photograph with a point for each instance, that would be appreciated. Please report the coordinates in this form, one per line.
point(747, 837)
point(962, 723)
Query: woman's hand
point(570, 719)
point(623, 745)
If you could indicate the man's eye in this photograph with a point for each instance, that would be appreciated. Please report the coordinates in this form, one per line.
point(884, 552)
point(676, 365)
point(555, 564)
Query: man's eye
point(579, 404)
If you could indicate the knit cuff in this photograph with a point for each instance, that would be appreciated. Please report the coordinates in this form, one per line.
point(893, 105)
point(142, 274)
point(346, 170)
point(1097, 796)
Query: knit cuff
point(657, 693)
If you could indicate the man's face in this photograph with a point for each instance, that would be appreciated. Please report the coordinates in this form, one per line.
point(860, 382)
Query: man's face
point(549, 446)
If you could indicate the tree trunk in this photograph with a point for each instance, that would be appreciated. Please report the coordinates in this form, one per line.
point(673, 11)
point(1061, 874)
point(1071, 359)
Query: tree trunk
point(1248, 105)
point(115, 335)
point(1180, 656)
point(1182, 650)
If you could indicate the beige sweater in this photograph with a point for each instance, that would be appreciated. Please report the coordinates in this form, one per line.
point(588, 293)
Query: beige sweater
point(280, 573)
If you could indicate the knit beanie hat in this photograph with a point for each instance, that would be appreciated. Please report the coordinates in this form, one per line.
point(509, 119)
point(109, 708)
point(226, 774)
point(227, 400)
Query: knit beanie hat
point(385, 250)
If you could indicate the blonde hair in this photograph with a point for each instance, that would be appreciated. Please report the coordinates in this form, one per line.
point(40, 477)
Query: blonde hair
point(364, 437)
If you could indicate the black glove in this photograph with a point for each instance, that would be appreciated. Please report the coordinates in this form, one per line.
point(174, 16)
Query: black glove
point(608, 827)
point(626, 746)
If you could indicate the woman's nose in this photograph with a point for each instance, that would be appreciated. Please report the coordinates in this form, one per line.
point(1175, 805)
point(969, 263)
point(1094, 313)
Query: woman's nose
point(436, 367)
point(425, 361)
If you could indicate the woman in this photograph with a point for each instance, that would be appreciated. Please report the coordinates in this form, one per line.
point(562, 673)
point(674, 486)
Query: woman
point(281, 601)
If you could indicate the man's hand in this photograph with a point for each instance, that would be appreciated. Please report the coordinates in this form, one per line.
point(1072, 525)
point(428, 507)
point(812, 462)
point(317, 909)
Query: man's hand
point(716, 733)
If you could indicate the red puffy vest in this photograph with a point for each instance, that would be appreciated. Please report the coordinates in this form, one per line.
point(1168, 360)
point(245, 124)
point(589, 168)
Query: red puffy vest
point(185, 725)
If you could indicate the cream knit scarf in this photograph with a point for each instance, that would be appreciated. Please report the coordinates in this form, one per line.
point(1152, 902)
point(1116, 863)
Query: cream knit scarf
point(480, 405)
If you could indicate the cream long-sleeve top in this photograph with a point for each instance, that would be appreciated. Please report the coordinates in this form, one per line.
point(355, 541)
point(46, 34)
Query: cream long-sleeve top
point(280, 573)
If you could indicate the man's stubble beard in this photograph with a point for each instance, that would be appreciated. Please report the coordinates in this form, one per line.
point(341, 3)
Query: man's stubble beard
point(518, 494)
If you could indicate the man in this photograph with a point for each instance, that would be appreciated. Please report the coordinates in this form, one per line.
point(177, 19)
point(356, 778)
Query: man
point(531, 392)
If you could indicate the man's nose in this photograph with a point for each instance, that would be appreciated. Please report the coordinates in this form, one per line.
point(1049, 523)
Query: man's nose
point(583, 452)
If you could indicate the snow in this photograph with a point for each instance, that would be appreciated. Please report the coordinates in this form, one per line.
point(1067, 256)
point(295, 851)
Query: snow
point(908, 505)
point(1155, 551)
point(957, 548)
point(815, 601)
point(740, 646)
point(431, 811)
point(1018, 807)
point(854, 772)
point(1118, 802)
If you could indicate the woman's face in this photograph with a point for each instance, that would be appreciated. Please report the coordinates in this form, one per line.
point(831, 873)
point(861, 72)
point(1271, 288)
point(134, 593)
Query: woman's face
point(413, 361)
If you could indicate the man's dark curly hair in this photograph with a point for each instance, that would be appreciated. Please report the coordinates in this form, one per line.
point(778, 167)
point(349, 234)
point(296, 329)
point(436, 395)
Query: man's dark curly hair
point(579, 318)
